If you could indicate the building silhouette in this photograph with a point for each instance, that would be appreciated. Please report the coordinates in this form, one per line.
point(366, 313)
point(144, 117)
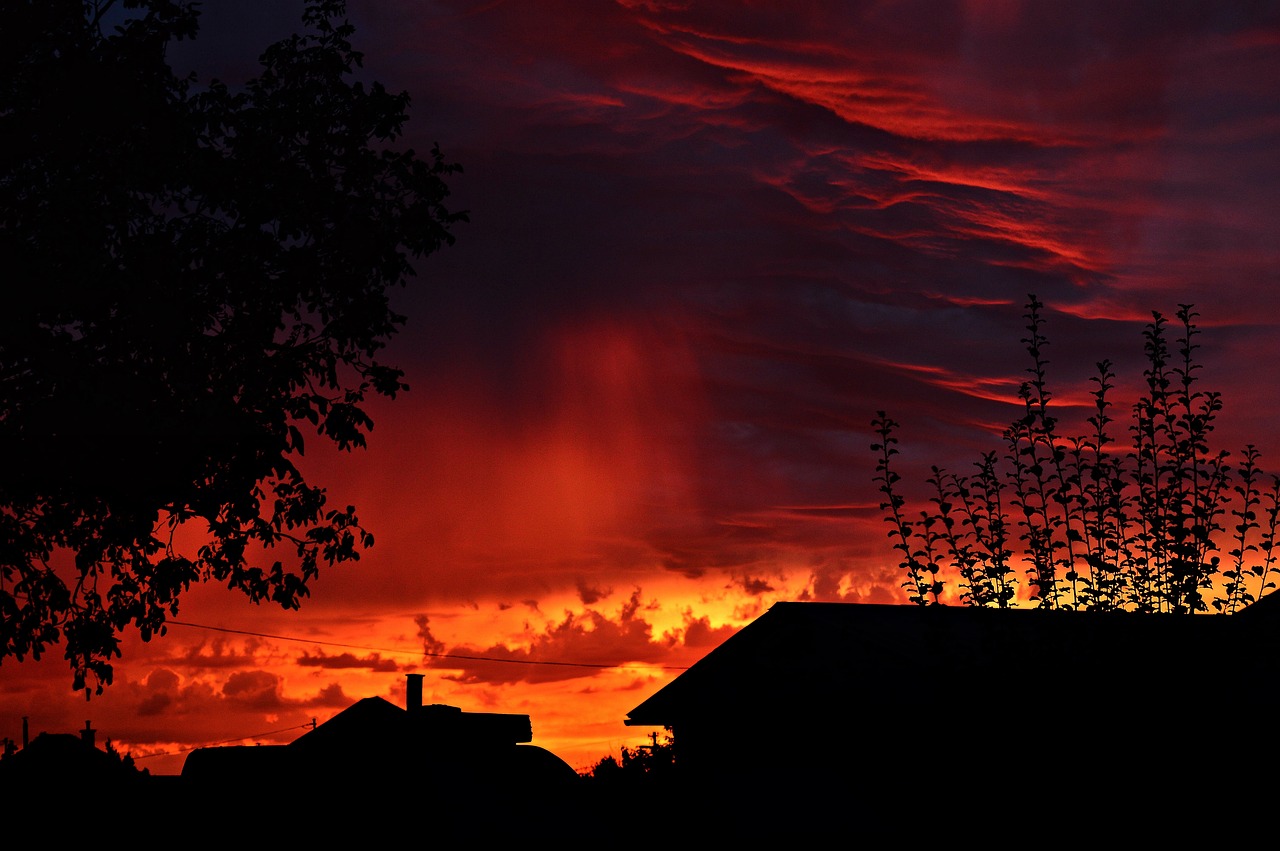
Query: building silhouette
point(933, 717)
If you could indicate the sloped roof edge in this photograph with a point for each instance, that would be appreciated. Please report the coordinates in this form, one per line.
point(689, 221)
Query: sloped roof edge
point(840, 651)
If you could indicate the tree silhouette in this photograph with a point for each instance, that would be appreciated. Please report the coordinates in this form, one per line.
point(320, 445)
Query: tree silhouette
point(196, 274)
point(642, 764)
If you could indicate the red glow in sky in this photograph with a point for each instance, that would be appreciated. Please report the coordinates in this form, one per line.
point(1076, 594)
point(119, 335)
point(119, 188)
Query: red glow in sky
point(708, 242)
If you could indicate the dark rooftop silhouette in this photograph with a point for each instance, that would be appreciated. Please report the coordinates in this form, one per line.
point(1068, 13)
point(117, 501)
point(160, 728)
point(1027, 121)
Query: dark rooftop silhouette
point(376, 753)
point(887, 714)
point(474, 773)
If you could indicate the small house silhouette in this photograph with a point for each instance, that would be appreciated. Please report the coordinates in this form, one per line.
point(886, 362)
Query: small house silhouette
point(376, 754)
point(373, 770)
point(52, 759)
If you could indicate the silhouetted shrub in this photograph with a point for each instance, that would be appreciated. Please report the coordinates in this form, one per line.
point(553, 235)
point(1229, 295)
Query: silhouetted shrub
point(1093, 522)
point(643, 764)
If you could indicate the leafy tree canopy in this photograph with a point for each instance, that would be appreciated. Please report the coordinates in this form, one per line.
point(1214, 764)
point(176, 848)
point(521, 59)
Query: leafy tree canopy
point(197, 274)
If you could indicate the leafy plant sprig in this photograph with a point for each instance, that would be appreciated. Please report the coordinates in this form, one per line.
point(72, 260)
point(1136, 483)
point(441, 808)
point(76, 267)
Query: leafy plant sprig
point(1096, 528)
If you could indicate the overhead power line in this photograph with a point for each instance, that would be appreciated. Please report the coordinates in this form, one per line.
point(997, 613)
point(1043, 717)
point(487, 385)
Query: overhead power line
point(309, 726)
point(370, 649)
point(421, 653)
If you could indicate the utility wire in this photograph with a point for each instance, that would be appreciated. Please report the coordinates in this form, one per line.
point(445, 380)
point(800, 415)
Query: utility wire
point(224, 741)
point(424, 652)
point(374, 650)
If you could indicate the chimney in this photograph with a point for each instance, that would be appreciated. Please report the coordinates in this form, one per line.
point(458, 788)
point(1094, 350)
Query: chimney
point(25, 737)
point(88, 734)
point(413, 692)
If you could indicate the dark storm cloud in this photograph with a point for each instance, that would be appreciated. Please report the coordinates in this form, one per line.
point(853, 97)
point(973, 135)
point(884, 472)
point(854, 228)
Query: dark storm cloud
point(571, 648)
point(838, 208)
point(372, 662)
point(214, 654)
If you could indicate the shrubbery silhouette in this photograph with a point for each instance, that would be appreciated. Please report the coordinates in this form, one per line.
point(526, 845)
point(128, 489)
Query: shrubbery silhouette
point(1091, 522)
point(643, 764)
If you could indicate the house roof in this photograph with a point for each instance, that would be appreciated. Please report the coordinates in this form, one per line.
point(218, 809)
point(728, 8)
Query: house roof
point(371, 719)
point(374, 746)
point(375, 720)
point(64, 755)
point(232, 763)
point(801, 660)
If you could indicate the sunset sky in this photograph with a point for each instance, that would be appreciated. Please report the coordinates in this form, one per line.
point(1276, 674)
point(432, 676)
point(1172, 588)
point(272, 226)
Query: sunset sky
point(708, 242)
